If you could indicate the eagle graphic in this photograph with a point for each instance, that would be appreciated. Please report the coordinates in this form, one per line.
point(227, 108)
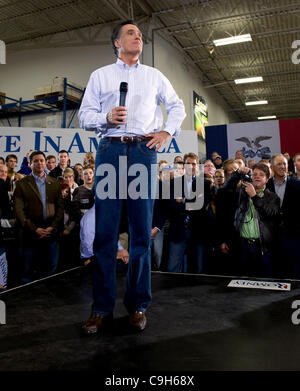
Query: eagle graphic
point(253, 143)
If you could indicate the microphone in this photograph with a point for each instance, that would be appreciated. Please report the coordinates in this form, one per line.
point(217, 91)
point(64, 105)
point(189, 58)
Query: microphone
point(123, 92)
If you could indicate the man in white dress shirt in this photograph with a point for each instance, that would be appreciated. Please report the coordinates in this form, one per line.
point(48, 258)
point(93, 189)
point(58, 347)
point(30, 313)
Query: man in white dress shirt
point(130, 136)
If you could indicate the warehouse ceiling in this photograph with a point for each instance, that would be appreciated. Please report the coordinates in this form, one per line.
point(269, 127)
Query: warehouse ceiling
point(190, 25)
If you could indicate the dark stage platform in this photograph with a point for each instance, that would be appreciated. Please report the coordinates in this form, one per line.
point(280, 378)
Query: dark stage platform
point(196, 323)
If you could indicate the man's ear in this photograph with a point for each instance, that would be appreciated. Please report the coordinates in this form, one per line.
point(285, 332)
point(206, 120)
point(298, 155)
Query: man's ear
point(117, 44)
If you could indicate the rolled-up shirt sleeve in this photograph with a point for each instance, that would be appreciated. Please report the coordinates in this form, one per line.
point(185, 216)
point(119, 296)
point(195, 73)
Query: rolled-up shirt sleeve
point(91, 116)
point(174, 107)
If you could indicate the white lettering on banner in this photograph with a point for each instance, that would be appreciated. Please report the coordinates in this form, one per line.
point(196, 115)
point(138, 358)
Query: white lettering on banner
point(296, 53)
point(78, 142)
point(272, 285)
point(296, 314)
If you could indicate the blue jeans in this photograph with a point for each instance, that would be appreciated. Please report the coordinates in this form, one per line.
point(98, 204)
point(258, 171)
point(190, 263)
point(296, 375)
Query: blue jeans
point(108, 215)
point(41, 258)
point(186, 256)
point(253, 263)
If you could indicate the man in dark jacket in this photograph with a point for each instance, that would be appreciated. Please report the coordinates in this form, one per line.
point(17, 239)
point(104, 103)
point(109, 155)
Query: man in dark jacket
point(188, 222)
point(256, 219)
point(288, 190)
point(64, 159)
point(39, 212)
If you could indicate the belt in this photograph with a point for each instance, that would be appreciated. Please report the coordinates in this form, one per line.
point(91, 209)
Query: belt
point(251, 241)
point(128, 139)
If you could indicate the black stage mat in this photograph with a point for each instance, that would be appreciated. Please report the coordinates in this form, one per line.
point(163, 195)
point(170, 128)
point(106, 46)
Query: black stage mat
point(195, 323)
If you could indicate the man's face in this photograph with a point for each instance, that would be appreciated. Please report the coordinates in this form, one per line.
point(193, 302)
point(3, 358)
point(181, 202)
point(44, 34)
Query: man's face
point(78, 168)
point(280, 166)
point(11, 163)
point(3, 172)
point(259, 179)
point(251, 163)
point(51, 163)
point(217, 161)
point(219, 178)
point(178, 159)
point(130, 40)
point(239, 154)
point(297, 163)
point(88, 176)
point(191, 166)
point(231, 168)
point(178, 170)
point(240, 163)
point(38, 164)
point(63, 158)
point(214, 155)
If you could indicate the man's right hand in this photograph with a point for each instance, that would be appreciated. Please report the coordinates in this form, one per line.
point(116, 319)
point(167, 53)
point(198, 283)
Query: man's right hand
point(224, 248)
point(117, 116)
point(43, 233)
point(244, 170)
point(154, 232)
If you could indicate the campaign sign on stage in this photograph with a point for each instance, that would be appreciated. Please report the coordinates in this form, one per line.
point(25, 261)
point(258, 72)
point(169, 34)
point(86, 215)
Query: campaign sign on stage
point(272, 285)
point(77, 142)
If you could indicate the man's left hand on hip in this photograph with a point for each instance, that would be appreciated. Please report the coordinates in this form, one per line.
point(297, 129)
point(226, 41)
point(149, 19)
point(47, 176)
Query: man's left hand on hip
point(157, 139)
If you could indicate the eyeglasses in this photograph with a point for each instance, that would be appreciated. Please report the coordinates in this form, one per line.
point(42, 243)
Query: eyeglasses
point(219, 176)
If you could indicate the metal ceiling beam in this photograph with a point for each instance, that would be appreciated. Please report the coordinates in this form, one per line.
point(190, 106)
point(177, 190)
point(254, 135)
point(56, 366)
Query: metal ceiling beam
point(249, 16)
point(114, 7)
point(242, 54)
point(250, 66)
point(224, 81)
point(258, 35)
point(38, 11)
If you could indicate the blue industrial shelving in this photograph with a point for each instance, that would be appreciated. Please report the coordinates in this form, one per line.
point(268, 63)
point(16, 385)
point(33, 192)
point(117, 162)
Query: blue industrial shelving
point(43, 104)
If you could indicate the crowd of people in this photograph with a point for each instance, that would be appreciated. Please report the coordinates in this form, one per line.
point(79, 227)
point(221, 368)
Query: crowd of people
point(247, 225)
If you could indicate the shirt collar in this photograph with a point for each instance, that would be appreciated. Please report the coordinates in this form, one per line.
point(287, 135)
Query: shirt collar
point(124, 65)
point(280, 184)
point(261, 193)
point(37, 178)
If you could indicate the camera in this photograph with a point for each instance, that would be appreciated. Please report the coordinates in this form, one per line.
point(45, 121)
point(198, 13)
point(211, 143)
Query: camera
point(246, 177)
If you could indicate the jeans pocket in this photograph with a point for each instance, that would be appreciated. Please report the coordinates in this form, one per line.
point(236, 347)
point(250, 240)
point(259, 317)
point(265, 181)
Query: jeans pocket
point(103, 145)
point(145, 150)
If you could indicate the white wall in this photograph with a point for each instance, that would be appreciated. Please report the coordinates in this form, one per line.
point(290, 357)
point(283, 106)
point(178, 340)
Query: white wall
point(29, 69)
point(185, 80)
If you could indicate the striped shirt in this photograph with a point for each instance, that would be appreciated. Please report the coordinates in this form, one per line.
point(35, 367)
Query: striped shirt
point(147, 88)
point(3, 268)
point(250, 227)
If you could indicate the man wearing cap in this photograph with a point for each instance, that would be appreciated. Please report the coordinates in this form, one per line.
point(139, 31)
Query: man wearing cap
point(217, 160)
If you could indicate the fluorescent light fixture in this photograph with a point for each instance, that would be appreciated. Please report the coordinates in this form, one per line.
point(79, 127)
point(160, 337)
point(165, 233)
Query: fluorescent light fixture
point(257, 102)
point(267, 117)
point(248, 80)
point(231, 40)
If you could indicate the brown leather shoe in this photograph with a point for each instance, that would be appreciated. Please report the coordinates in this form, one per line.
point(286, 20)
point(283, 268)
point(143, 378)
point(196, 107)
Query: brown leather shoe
point(95, 323)
point(138, 320)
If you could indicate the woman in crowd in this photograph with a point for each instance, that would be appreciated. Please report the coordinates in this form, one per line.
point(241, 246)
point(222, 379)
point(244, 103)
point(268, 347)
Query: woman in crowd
point(69, 179)
point(219, 179)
